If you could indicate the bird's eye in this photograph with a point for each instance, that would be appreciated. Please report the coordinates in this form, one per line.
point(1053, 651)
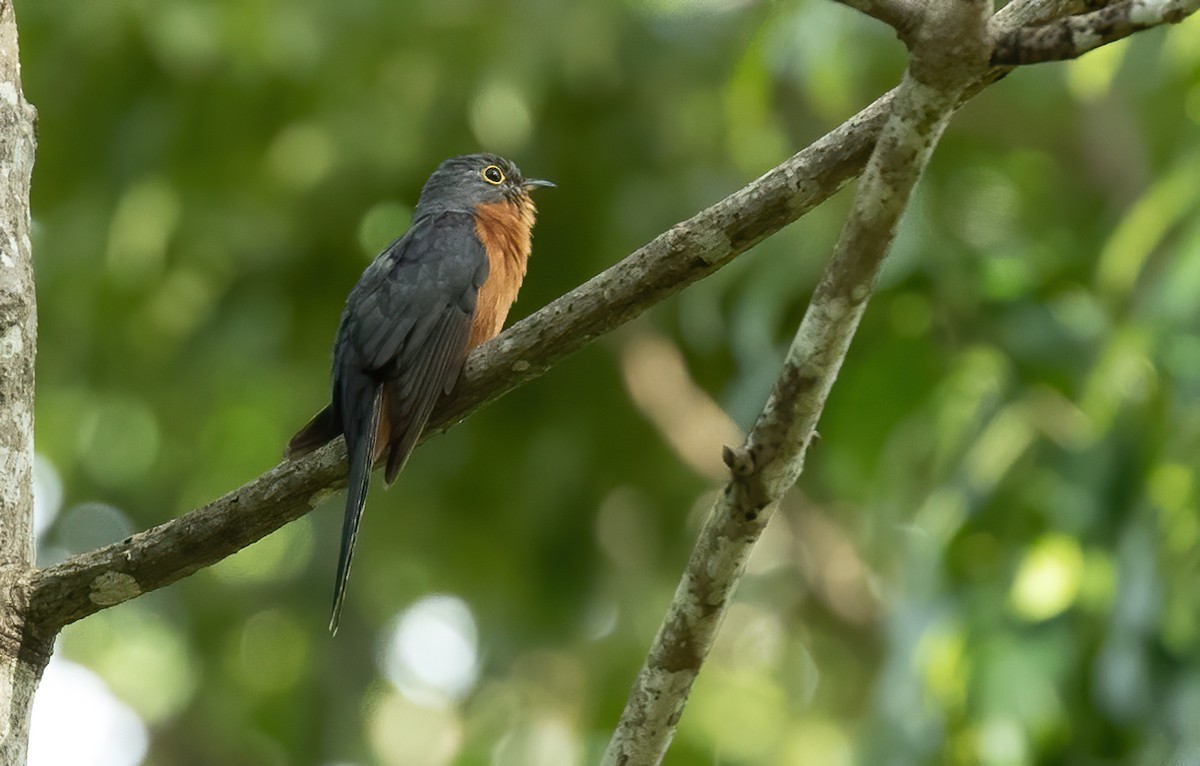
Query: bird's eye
point(493, 175)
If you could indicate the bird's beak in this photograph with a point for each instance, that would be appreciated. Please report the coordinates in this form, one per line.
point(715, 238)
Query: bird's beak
point(536, 183)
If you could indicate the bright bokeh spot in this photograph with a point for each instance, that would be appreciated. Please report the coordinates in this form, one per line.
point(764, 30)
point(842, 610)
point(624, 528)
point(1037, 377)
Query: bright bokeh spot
point(141, 229)
point(140, 655)
point(751, 638)
point(382, 224)
point(1090, 77)
point(1001, 743)
point(1171, 485)
point(942, 654)
point(432, 654)
point(741, 714)
point(103, 730)
point(186, 37)
point(1171, 488)
point(403, 733)
point(118, 441)
point(272, 653)
point(1002, 442)
point(301, 155)
point(47, 494)
point(942, 513)
point(816, 742)
point(1048, 578)
point(91, 525)
point(181, 302)
point(600, 619)
point(500, 117)
point(165, 678)
point(1169, 201)
point(545, 741)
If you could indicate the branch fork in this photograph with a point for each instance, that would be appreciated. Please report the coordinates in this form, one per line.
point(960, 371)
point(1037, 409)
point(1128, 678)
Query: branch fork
point(950, 51)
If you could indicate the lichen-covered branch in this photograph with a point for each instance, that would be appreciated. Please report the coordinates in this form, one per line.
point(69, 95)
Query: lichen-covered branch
point(950, 50)
point(684, 254)
point(18, 315)
point(1074, 36)
point(23, 653)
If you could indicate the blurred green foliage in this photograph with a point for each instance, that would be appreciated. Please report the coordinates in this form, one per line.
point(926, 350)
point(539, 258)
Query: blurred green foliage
point(992, 556)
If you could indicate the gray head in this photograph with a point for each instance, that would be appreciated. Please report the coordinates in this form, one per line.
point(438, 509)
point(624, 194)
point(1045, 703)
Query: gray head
point(462, 183)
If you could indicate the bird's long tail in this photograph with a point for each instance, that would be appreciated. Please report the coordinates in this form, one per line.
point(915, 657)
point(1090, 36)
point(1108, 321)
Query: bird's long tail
point(361, 455)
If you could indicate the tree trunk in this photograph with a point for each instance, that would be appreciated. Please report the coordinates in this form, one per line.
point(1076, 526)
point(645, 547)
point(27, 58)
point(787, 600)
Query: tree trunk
point(23, 653)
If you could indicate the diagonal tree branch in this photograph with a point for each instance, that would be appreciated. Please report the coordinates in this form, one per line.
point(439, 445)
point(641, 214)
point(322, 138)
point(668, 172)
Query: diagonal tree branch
point(687, 252)
point(950, 51)
point(1074, 36)
point(682, 255)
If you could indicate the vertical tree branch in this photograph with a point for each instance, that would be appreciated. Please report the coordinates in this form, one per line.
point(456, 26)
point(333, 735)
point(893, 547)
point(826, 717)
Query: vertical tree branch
point(22, 659)
point(950, 51)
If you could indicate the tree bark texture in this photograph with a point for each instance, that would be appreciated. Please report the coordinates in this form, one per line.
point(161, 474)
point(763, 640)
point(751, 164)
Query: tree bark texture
point(1074, 36)
point(23, 655)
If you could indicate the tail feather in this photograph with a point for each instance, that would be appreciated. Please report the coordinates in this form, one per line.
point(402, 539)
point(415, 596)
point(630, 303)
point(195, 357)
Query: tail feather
point(317, 432)
point(361, 452)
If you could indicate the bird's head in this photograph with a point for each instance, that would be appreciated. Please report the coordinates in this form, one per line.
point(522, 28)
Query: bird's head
point(470, 180)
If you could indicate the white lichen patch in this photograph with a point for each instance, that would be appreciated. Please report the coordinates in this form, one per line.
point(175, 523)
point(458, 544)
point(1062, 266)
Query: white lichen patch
point(113, 588)
point(12, 342)
point(16, 463)
point(8, 92)
point(860, 293)
point(711, 245)
point(822, 315)
point(8, 682)
point(1086, 39)
point(722, 567)
point(687, 599)
point(1148, 12)
point(520, 365)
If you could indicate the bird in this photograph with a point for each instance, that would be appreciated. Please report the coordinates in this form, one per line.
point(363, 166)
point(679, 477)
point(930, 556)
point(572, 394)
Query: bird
point(441, 289)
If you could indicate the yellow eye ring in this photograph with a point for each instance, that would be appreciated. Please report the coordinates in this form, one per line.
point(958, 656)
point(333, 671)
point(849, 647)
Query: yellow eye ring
point(493, 175)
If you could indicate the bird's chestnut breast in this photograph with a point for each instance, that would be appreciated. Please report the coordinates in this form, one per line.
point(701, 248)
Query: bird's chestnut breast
point(506, 231)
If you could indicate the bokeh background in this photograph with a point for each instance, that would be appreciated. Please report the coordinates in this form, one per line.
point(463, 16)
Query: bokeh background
point(992, 557)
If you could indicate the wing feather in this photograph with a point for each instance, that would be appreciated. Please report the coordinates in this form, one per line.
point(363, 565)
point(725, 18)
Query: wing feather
point(410, 405)
point(401, 344)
